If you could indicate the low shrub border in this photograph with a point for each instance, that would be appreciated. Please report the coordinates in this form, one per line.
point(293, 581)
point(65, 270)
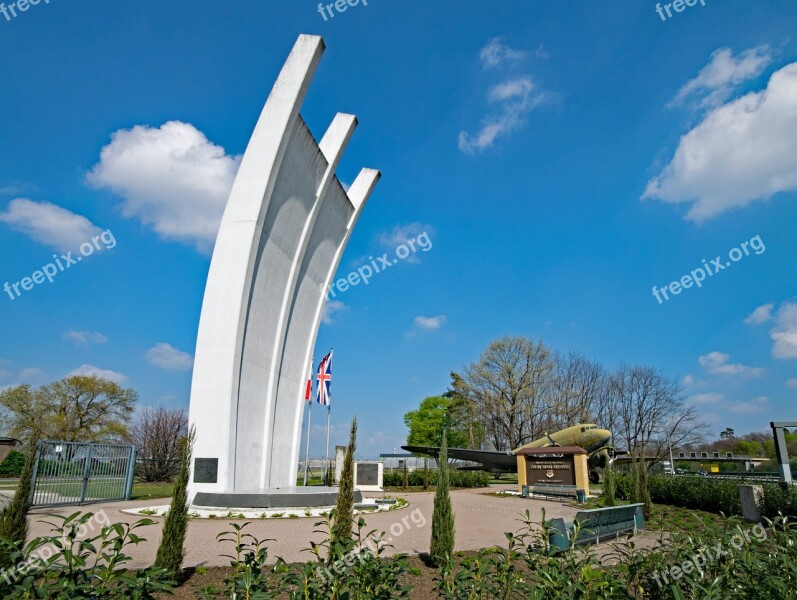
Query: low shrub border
point(711, 495)
point(457, 479)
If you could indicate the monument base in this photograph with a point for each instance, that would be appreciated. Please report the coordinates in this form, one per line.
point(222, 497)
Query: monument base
point(288, 497)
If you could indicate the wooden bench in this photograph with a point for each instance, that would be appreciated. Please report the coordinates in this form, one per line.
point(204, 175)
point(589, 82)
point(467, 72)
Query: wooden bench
point(596, 525)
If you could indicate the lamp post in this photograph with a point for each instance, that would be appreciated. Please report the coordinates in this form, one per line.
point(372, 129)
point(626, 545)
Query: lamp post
point(673, 420)
point(669, 443)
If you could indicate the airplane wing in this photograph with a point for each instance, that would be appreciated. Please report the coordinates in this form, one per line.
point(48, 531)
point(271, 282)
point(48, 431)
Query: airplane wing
point(491, 459)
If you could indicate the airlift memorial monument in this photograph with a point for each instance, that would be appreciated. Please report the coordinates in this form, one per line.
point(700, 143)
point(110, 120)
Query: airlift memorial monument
point(285, 226)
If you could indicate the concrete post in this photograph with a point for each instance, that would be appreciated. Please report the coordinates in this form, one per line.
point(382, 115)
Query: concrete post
point(340, 456)
point(782, 453)
point(751, 498)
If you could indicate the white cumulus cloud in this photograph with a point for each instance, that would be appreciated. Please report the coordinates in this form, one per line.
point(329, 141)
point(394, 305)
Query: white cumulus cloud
point(92, 371)
point(784, 334)
point(84, 338)
point(168, 357)
point(429, 323)
point(172, 179)
point(717, 363)
point(331, 308)
point(515, 98)
point(709, 398)
point(755, 406)
point(497, 52)
point(400, 234)
point(717, 80)
point(762, 314)
point(31, 374)
point(791, 383)
point(742, 152)
point(49, 224)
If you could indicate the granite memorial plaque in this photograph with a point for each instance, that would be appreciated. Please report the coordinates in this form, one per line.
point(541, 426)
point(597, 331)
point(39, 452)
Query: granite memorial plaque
point(367, 474)
point(206, 470)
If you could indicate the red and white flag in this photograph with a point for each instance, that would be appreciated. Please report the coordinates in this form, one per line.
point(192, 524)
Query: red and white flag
point(308, 392)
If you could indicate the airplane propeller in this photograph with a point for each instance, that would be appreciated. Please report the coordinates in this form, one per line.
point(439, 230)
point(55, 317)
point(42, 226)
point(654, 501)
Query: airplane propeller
point(550, 439)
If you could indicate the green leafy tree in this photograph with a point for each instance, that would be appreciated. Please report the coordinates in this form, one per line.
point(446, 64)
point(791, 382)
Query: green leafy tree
point(463, 414)
point(748, 448)
point(171, 551)
point(442, 544)
point(434, 416)
point(344, 507)
point(14, 518)
point(74, 409)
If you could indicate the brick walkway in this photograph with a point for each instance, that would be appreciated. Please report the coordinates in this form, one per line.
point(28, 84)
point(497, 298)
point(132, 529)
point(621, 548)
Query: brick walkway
point(481, 521)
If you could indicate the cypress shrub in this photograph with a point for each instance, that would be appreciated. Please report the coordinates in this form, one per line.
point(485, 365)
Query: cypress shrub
point(344, 507)
point(609, 486)
point(171, 551)
point(425, 473)
point(14, 518)
point(442, 545)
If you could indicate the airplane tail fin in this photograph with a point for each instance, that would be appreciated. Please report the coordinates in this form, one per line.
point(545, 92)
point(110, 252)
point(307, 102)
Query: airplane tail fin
point(488, 446)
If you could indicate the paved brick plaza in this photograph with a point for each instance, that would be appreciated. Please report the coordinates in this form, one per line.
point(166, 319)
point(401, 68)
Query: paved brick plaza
point(481, 521)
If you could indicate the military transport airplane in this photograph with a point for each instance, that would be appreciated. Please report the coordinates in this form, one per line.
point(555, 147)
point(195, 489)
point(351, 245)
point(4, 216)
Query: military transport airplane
point(597, 442)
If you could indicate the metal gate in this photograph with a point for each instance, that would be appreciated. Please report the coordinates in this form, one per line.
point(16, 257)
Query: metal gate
point(77, 473)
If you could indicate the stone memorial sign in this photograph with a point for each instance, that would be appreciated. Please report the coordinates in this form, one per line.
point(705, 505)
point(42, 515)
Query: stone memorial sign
point(206, 470)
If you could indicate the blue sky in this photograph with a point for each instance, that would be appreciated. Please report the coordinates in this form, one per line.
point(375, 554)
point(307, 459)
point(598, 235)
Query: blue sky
point(563, 157)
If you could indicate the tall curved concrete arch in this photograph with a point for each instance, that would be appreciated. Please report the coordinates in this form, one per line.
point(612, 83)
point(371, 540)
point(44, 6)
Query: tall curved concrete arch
point(284, 229)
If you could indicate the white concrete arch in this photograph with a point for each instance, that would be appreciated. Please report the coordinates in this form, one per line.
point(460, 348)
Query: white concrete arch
point(283, 232)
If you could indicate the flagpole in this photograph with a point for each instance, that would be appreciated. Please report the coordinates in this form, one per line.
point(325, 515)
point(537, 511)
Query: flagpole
point(329, 415)
point(307, 449)
point(309, 416)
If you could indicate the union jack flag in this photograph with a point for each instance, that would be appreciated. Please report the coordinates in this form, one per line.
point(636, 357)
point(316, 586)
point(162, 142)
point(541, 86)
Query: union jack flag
point(324, 378)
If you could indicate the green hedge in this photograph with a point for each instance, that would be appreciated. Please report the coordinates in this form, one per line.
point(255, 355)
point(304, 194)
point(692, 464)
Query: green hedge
point(459, 479)
point(711, 495)
point(777, 500)
point(699, 493)
point(12, 465)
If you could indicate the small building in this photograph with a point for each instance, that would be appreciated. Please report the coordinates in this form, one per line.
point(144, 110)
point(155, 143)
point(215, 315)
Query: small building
point(556, 465)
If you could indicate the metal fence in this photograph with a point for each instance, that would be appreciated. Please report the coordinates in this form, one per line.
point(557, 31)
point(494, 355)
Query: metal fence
point(76, 473)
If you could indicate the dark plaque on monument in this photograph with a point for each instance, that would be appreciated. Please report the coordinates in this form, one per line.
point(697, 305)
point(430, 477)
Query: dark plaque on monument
point(206, 470)
point(553, 470)
point(368, 474)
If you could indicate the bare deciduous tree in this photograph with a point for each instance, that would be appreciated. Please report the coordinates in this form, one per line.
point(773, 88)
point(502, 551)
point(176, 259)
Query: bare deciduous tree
point(651, 412)
point(508, 387)
point(157, 433)
point(519, 390)
point(576, 387)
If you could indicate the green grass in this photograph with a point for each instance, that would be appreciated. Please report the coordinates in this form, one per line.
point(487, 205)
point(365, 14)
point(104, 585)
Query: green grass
point(96, 488)
point(310, 481)
point(143, 491)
